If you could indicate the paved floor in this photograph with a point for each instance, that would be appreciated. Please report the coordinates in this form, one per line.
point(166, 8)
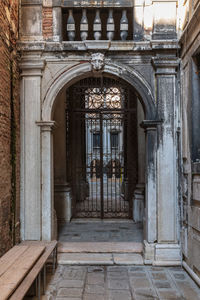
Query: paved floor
point(101, 231)
point(120, 283)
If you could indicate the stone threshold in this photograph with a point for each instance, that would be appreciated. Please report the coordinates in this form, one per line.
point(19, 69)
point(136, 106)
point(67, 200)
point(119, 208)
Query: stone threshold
point(100, 259)
point(100, 247)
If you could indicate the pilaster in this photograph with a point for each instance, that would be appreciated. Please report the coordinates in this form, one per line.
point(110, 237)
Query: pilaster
point(167, 214)
point(30, 148)
point(151, 180)
point(47, 222)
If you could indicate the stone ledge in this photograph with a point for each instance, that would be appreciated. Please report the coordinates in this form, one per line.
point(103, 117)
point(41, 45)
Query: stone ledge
point(100, 247)
point(25, 45)
point(100, 259)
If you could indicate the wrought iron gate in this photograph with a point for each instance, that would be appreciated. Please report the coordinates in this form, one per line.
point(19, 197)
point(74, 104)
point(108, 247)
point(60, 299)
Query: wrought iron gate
point(101, 147)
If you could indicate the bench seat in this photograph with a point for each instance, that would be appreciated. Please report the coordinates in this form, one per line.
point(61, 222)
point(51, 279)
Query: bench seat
point(21, 265)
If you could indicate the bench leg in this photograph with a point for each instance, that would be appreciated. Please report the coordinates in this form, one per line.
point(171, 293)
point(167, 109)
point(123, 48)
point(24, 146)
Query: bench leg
point(39, 285)
point(54, 259)
point(44, 279)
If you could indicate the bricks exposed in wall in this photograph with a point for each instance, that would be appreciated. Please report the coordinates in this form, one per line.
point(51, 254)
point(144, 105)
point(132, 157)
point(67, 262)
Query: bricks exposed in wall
point(47, 22)
point(9, 126)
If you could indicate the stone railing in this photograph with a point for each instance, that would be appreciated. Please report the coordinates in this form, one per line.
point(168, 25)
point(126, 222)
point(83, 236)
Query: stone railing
point(97, 24)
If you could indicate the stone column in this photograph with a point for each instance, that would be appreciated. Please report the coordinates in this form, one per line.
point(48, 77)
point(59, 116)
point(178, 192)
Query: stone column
point(47, 205)
point(138, 199)
point(57, 23)
point(150, 186)
point(167, 250)
point(30, 148)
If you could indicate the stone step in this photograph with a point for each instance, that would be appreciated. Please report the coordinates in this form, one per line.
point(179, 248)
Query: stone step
point(100, 247)
point(100, 259)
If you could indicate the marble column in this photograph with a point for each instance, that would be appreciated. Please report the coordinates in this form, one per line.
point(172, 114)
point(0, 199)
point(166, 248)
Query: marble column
point(167, 248)
point(30, 183)
point(47, 203)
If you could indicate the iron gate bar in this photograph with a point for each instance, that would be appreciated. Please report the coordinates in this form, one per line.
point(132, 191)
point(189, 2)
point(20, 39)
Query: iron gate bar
point(101, 166)
point(101, 177)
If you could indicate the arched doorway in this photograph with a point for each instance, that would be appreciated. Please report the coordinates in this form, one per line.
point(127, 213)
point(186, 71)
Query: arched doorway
point(102, 148)
point(72, 189)
point(37, 192)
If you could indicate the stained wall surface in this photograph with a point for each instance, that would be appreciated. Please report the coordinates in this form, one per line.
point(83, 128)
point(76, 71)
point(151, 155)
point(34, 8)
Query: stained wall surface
point(190, 182)
point(9, 126)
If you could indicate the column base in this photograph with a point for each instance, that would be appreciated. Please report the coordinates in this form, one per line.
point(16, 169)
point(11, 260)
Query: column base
point(138, 204)
point(63, 202)
point(162, 254)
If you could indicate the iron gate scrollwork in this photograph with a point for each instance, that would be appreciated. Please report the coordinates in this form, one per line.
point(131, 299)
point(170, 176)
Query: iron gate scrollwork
point(101, 120)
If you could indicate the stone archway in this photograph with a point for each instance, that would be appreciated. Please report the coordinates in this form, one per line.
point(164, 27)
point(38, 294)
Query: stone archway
point(67, 78)
point(37, 220)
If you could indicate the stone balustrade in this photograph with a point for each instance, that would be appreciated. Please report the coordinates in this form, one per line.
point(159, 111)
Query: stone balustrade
point(97, 24)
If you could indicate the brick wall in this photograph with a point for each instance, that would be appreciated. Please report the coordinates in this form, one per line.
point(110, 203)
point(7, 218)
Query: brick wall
point(9, 126)
point(47, 23)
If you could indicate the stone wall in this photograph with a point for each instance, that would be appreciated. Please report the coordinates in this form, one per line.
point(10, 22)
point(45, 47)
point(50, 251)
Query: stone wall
point(190, 80)
point(9, 126)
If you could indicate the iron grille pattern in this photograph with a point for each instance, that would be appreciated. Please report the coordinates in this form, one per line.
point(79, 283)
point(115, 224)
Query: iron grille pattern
point(102, 171)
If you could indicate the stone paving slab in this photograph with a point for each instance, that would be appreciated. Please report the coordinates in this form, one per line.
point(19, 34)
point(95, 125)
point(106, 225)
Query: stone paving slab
point(121, 283)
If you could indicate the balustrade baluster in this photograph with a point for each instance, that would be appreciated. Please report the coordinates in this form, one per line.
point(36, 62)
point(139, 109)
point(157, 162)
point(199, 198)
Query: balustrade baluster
point(97, 26)
point(110, 26)
point(124, 26)
point(71, 26)
point(84, 26)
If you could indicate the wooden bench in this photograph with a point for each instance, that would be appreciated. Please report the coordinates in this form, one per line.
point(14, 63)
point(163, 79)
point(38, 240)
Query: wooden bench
point(22, 265)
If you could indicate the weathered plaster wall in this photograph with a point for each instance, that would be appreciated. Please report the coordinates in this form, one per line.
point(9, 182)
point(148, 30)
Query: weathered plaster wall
point(9, 126)
point(190, 81)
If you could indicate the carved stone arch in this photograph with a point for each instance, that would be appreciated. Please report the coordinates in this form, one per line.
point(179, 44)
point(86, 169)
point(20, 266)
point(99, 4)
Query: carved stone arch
point(83, 70)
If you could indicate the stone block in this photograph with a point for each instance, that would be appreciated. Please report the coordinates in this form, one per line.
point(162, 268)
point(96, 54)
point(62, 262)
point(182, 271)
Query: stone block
point(139, 283)
point(94, 289)
point(119, 295)
point(31, 27)
point(117, 284)
point(148, 252)
point(167, 254)
point(70, 292)
point(169, 294)
point(97, 279)
point(71, 283)
point(128, 259)
point(74, 274)
point(85, 259)
point(117, 274)
point(92, 297)
point(162, 284)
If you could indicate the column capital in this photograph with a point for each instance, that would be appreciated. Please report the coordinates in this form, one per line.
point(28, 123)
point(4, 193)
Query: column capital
point(165, 65)
point(32, 66)
point(150, 124)
point(46, 125)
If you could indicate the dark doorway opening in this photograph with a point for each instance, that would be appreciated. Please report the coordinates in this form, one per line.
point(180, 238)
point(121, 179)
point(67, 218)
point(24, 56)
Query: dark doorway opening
point(102, 155)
